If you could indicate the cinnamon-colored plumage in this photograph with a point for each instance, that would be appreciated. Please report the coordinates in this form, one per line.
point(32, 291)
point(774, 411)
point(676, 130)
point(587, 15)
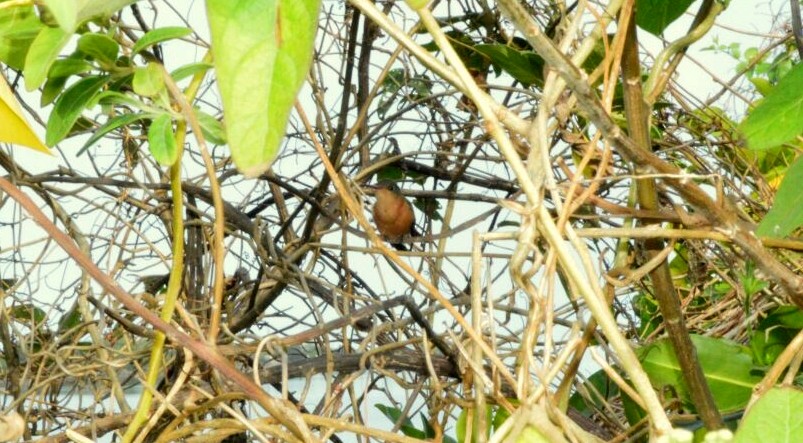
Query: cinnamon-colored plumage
point(393, 214)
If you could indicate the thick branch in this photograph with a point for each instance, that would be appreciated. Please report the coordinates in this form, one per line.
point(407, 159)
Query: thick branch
point(638, 121)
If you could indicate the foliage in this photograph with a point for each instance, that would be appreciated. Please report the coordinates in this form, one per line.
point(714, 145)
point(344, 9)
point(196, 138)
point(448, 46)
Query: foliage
point(654, 16)
point(771, 418)
point(228, 179)
point(266, 51)
point(728, 368)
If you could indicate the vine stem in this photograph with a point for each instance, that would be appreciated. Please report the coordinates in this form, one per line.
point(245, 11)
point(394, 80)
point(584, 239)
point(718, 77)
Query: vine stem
point(219, 252)
point(173, 290)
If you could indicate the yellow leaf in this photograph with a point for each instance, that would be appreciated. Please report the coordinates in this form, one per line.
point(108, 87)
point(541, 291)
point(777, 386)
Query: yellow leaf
point(15, 128)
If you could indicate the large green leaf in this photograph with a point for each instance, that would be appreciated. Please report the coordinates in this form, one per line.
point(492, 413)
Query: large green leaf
point(262, 52)
point(654, 16)
point(786, 214)
point(71, 13)
point(70, 106)
point(19, 26)
point(727, 367)
point(90, 9)
point(779, 117)
point(775, 418)
point(65, 13)
point(43, 52)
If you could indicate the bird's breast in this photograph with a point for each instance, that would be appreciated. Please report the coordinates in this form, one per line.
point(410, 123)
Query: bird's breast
point(394, 219)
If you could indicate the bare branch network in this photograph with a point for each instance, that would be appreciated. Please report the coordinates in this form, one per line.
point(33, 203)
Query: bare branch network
point(320, 314)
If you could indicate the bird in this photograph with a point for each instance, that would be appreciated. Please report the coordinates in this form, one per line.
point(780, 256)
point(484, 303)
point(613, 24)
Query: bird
point(393, 214)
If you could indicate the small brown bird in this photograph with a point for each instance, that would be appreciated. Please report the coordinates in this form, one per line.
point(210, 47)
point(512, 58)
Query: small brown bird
point(393, 214)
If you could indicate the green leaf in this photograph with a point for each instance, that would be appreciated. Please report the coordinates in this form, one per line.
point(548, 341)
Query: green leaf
point(460, 426)
point(774, 333)
point(750, 282)
point(654, 16)
point(649, 315)
point(119, 99)
point(19, 26)
point(785, 316)
point(100, 47)
point(66, 67)
point(779, 117)
point(70, 106)
point(148, 80)
point(463, 430)
point(429, 431)
point(91, 9)
point(114, 123)
point(70, 319)
point(52, 88)
point(727, 367)
point(159, 35)
point(262, 53)
point(633, 412)
point(786, 214)
point(500, 417)
point(43, 52)
point(189, 70)
point(525, 66)
point(162, 140)
point(428, 206)
point(407, 427)
point(28, 313)
point(390, 86)
point(775, 418)
point(594, 394)
point(768, 344)
point(65, 13)
point(57, 77)
point(763, 86)
point(212, 128)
